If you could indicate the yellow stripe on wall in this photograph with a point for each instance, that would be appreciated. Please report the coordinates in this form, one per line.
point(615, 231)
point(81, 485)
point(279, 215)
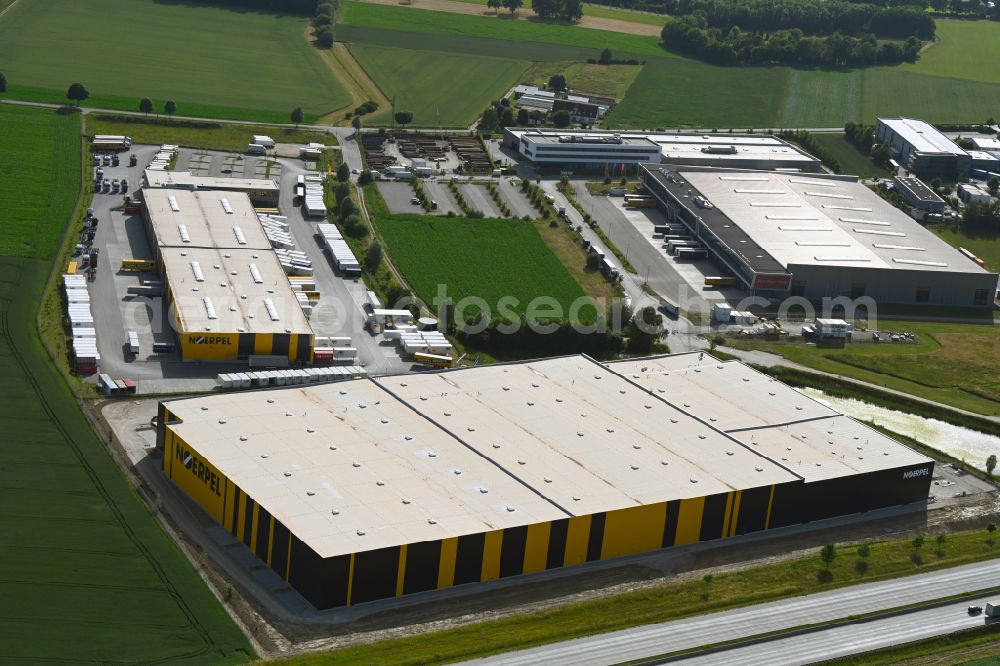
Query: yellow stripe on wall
point(634, 530)
point(727, 514)
point(401, 572)
point(770, 503)
point(270, 539)
point(350, 580)
point(536, 547)
point(253, 527)
point(491, 556)
point(689, 521)
point(446, 569)
point(577, 536)
point(738, 498)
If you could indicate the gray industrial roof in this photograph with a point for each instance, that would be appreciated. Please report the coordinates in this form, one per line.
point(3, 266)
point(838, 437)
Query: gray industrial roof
point(918, 189)
point(184, 179)
point(367, 464)
point(807, 219)
point(186, 218)
point(238, 284)
point(924, 137)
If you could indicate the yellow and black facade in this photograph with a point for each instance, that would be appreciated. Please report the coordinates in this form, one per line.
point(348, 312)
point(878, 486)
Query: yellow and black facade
point(358, 575)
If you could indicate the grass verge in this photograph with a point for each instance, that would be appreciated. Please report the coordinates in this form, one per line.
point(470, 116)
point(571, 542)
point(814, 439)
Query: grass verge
point(977, 647)
point(888, 559)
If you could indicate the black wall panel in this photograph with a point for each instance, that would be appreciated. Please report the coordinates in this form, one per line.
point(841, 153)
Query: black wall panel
point(422, 562)
point(469, 559)
point(512, 550)
point(375, 573)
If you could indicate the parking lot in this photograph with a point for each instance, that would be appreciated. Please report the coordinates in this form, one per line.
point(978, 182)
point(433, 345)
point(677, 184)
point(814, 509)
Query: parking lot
point(398, 197)
point(510, 190)
point(477, 198)
point(438, 191)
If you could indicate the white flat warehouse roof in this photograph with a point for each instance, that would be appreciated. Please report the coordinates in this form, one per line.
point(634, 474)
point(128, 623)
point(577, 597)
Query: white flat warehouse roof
point(172, 179)
point(924, 137)
point(803, 219)
point(229, 279)
point(186, 218)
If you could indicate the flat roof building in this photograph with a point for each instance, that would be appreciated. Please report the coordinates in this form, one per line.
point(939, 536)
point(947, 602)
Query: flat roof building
point(740, 151)
point(816, 236)
point(916, 192)
point(921, 148)
point(383, 487)
point(990, 144)
point(262, 191)
point(229, 296)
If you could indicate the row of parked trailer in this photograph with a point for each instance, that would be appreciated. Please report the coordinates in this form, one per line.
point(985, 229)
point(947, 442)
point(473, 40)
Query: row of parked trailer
point(343, 258)
point(312, 195)
point(259, 379)
point(81, 321)
point(163, 158)
point(677, 241)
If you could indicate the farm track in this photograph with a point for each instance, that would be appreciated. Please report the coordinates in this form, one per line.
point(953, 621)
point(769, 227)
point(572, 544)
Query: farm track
point(352, 76)
point(14, 341)
point(594, 22)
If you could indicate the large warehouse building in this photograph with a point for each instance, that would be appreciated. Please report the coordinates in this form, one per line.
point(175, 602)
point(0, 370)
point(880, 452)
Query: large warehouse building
point(377, 488)
point(602, 148)
point(229, 297)
point(921, 148)
point(816, 236)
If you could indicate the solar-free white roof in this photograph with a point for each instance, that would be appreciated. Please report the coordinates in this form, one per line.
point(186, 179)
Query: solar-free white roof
point(800, 433)
point(185, 179)
point(427, 456)
point(804, 219)
point(186, 218)
point(924, 137)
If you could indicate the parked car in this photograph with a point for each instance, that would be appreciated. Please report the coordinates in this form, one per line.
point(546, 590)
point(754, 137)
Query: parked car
point(356, 171)
point(415, 201)
point(115, 184)
point(106, 160)
point(124, 184)
point(107, 185)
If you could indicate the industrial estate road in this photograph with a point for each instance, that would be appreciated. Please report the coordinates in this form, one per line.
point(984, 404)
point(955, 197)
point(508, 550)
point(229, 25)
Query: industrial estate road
point(651, 641)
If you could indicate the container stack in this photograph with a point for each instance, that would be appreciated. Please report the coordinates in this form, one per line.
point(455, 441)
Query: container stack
point(343, 257)
point(304, 288)
point(81, 320)
point(430, 342)
point(161, 161)
point(245, 380)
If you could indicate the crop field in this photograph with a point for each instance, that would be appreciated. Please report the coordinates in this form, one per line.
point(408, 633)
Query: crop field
point(613, 80)
point(88, 574)
point(211, 60)
point(490, 27)
point(488, 259)
point(39, 178)
point(441, 89)
point(891, 92)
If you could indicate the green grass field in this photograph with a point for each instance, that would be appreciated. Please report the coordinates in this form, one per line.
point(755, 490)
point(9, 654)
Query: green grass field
point(967, 49)
point(39, 178)
point(409, 19)
point(954, 364)
point(852, 161)
point(441, 89)
point(487, 259)
point(660, 603)
point(211, 60)
point(986, 248)
point(88, 576)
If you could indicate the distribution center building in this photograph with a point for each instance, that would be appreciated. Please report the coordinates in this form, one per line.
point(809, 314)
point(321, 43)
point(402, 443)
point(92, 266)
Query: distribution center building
point(377, 488)
point(228, 295)
point(607, 148)
point(920, 147)
point(816, 236)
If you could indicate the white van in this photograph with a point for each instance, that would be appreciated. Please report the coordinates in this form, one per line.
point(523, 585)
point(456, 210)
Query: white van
point(256, 149)
point(133, 342)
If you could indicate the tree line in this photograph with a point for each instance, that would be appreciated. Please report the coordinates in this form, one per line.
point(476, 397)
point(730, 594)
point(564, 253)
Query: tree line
point(692, 35)
point(565, 10)
point(300, 7)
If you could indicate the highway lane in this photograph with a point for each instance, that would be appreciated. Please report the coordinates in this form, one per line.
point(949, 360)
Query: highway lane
point(689, 633)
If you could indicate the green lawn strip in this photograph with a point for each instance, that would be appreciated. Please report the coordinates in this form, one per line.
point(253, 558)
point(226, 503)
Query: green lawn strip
point(98, 101)
point(196, 53)
point(819, 98)
point(986, 247)
point(196, 133)
point(622, 259)
point(950, 649)
point(846, 389)
point(385, 17)
point(852, 161)
point(888, 559)
point(951, 365)
point(441, 89)
point(722, 646)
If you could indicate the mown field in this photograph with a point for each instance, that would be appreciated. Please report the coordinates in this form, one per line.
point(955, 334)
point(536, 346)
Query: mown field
point(488, 259)
point(985, 247)
point(88, 574)
point(213, 61)
point(966, 49)
point(441, 89)
point(39, 178)
point(954, 364)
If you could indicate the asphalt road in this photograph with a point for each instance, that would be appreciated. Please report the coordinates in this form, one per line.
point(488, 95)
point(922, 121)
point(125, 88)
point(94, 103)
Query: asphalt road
point(659, 639)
